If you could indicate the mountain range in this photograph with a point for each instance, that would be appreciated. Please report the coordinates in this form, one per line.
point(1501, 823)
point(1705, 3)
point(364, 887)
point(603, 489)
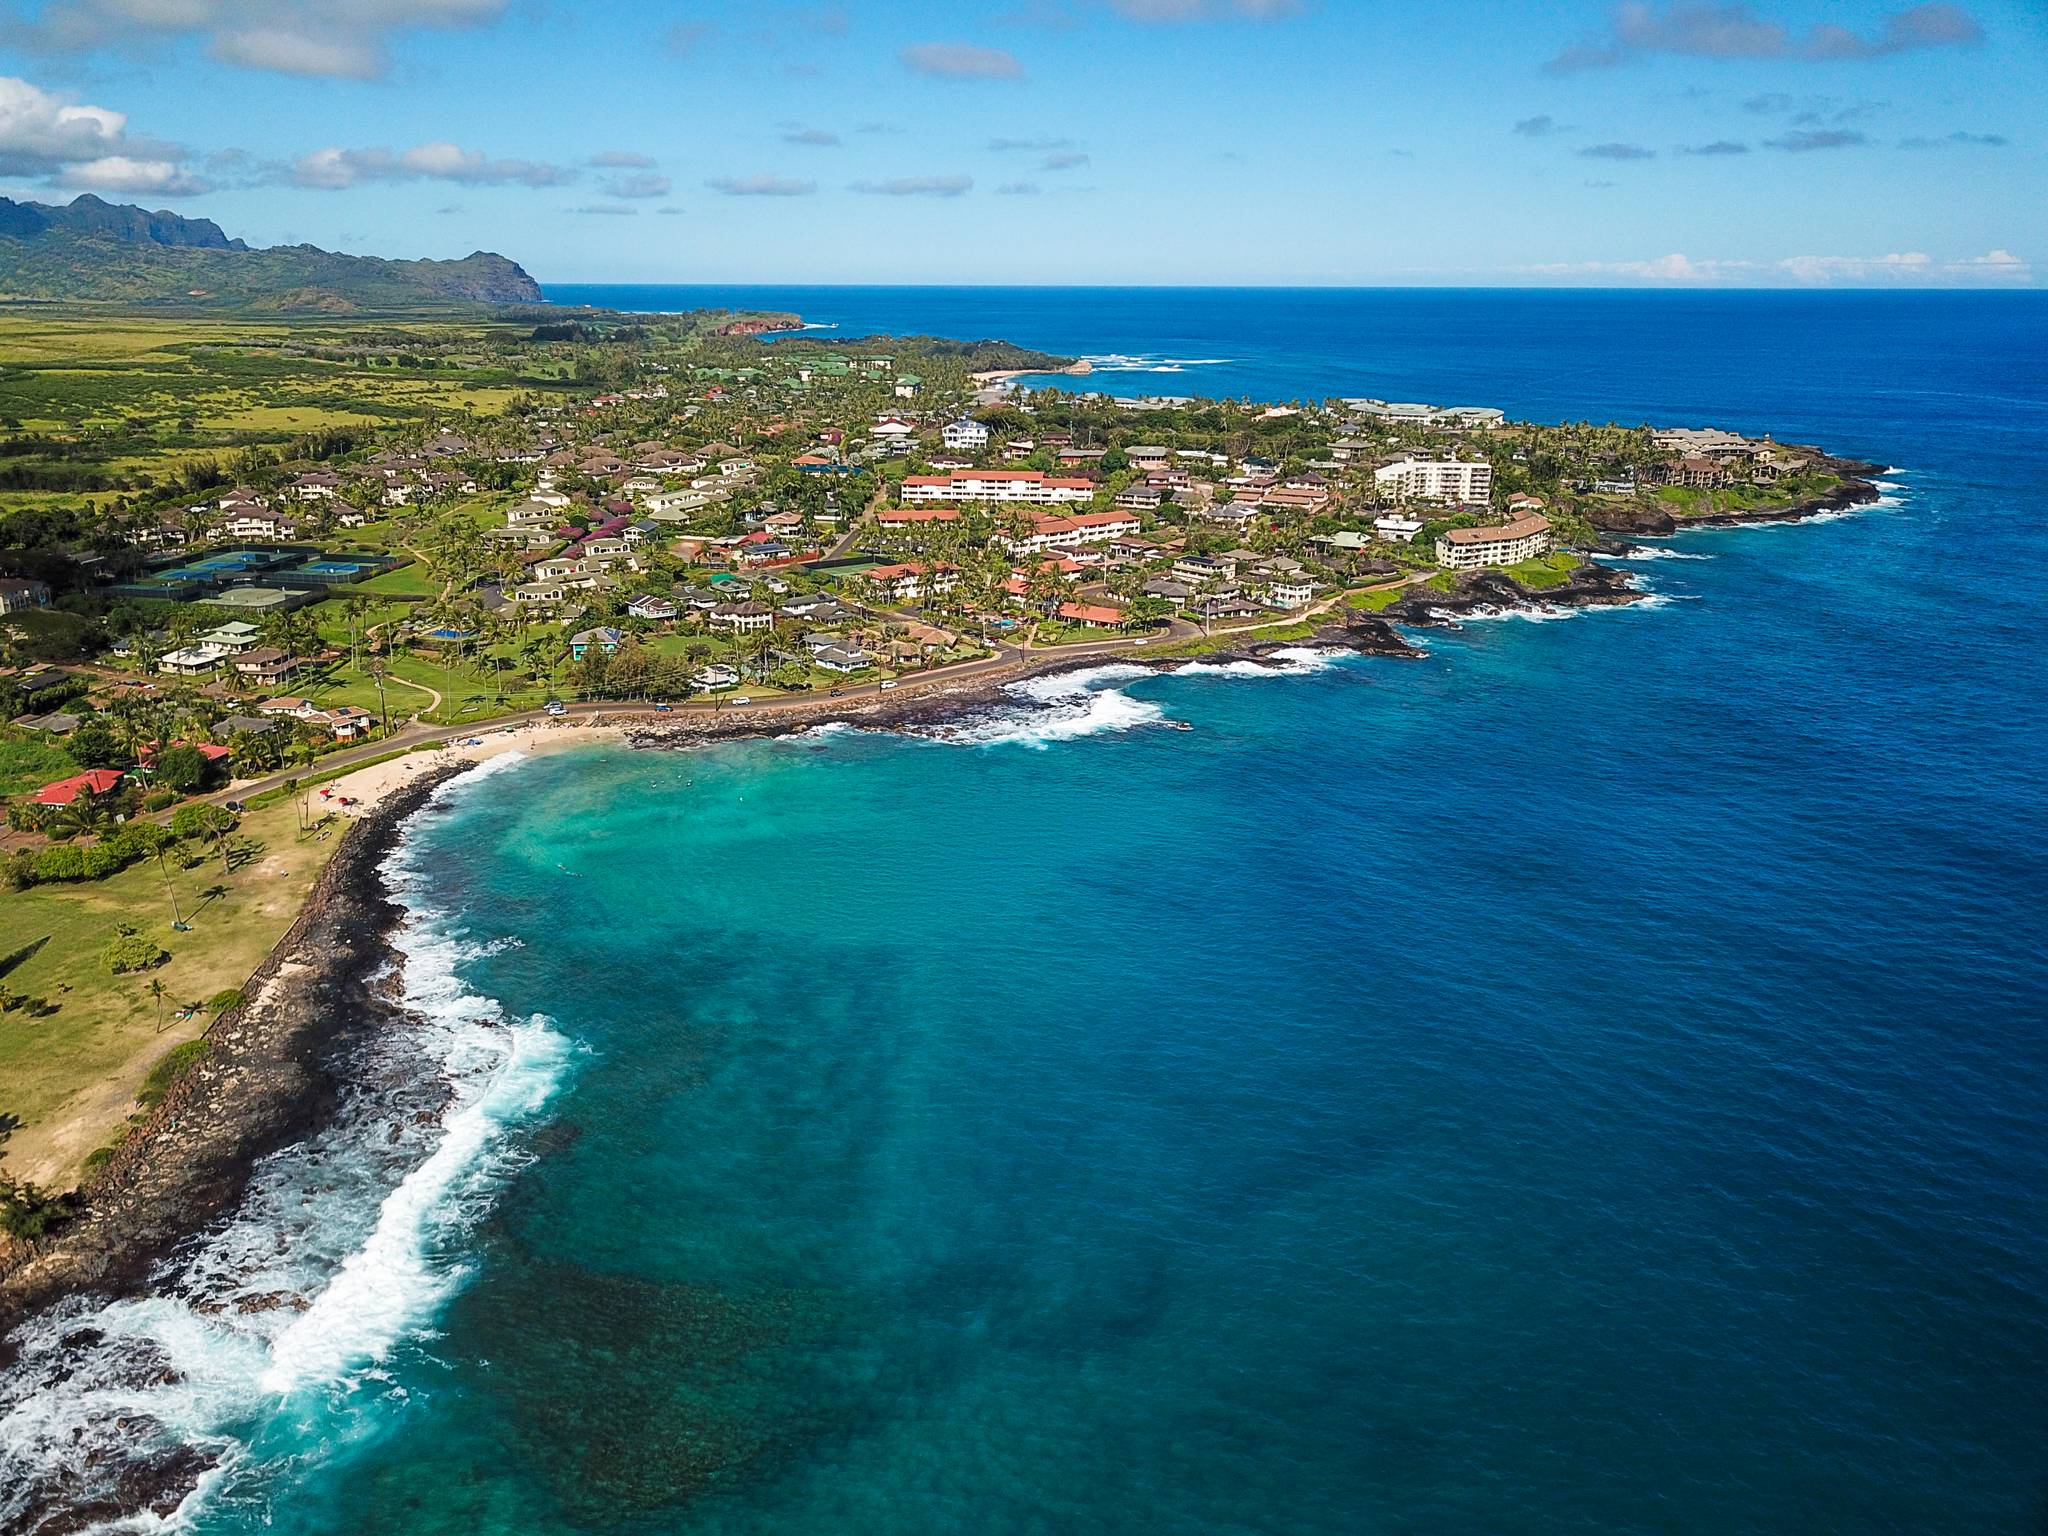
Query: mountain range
point(93, 250)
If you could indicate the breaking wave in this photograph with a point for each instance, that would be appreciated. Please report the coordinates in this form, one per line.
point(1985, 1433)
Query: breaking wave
point(1063, 707)
point(1295, 661)
point(1119, 362)
point(257, 1348)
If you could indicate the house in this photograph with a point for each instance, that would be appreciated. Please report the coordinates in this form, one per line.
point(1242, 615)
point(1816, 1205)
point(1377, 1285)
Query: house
point(965, 436)
point(90, 784)
point(993, 486)
point(230, 726)
point(316, 485)
point(1446, 481)
point(56, 723)
point(1462, 549)
point(658, 609)
point(1288, 592)
point(18, 595)
point(1148, 458)
point(717, 676)
point(268, 666)
point(294, 708)
point(743, 618)
point(1523, 505)
point(894, 432)
point(347, 722)
point(1140, 498)
point(1200, 570)
point(604, 638)
point(192, 660)
point(1168, 590)
point(1093, 615)
point(843, 659)
point(258, 526)
point(1397, 527)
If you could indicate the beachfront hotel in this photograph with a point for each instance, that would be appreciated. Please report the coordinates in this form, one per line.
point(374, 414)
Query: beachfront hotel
point(992, 486)
point(1464, 549)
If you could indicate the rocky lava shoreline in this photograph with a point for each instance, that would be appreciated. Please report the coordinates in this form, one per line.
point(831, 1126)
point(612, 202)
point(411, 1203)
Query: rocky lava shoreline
point(266, 1080)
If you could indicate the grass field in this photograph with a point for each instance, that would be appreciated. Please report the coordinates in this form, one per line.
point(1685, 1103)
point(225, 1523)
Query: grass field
point(31, 763)
point(1546, 570)
point(71, 1077)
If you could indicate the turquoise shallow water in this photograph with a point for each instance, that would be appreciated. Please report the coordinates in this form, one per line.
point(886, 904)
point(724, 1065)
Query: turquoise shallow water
point(1588, 1080)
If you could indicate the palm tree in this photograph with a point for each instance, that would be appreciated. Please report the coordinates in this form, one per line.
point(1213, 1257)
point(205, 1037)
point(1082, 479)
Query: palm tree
point(156, 993)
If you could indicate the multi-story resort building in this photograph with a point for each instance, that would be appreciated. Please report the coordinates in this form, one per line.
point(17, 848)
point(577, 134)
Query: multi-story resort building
point(1026, 486)
point(1450, 481)
point(1464, 549)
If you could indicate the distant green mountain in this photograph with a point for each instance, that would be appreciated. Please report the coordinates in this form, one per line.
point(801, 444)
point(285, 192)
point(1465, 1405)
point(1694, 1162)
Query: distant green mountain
point(96, 251)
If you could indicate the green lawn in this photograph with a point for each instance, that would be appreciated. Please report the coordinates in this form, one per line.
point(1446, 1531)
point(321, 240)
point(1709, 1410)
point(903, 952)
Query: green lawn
point(72, 1076)
point(409, 581)
point(1546, 570)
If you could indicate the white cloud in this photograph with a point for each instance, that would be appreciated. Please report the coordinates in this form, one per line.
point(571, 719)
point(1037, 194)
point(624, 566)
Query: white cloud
point(961, 61)
point(334, 170)
point(761, 186)
point(917, 186)
point(621, 160)
point(123, 173)
point(332, 38)
point(647, 184)
point(69, 144)
point(1707, 31)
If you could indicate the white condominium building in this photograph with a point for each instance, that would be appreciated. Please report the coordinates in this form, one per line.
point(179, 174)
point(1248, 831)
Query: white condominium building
point(1464, 549)
point(1449, 481)
point(997, 485)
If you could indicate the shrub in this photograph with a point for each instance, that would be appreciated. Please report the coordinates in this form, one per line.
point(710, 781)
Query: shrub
point(132, 952)
point(174, 1064)
point(157, 799)
point(68, 861)
point(221, 1002)
point(29, 1212)
point(201, 820)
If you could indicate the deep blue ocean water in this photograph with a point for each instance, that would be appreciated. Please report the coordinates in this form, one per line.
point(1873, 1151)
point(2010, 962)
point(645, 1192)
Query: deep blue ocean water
point(1591, 1079)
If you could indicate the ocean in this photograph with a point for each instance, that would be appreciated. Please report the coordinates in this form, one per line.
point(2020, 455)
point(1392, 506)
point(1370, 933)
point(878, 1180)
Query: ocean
point(1591, 1078)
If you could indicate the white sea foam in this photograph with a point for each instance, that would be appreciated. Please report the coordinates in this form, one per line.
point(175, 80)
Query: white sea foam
point(1637, 552)
point(265, 1338)
point(1294, 661)
point(1063, 707)
point(1119, 362)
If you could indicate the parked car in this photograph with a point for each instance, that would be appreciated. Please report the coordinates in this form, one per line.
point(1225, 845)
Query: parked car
point(891, 683)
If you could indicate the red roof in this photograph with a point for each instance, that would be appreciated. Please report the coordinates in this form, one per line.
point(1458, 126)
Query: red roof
point(94, 781)
point(1091, 613)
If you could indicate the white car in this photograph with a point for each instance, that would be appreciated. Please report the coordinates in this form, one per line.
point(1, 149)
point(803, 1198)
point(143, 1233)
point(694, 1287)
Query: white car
point(891, 683)
point(738, 703)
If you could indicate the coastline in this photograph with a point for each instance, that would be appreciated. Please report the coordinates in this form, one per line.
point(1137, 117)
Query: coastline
point(265, 1082)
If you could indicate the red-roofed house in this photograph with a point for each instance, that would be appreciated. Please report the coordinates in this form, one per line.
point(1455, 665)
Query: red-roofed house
point(1093, 615)
point(93, 782)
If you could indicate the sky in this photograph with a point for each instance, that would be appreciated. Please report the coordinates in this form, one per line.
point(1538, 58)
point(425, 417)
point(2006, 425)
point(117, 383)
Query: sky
point(1470, 142)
